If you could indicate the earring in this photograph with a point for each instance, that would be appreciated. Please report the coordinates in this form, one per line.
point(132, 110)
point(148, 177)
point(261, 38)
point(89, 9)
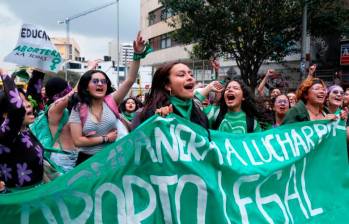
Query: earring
point(171, 92)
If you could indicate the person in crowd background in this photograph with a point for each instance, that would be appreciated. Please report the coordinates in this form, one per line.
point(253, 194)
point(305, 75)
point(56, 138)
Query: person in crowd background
point(281, 105)
point(292, 98)
point(334, 99)
point(311, 95)
point(58, 93)
point(239, 110)
point(128, 107)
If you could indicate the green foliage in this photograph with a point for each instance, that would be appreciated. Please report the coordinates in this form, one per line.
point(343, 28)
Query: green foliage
point(251, 30)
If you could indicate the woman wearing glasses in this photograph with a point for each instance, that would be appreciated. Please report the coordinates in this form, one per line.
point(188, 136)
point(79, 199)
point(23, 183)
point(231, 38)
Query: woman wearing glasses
point(335, 97)
point(311, 96)
point(93, 118)
point(281, 105)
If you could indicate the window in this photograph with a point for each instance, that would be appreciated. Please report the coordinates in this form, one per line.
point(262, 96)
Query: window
point(165, 41)
point(165, 14)
point(151, 18)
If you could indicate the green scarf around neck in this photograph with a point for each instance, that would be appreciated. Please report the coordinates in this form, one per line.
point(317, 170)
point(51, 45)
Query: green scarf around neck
point(129, 116)
point(184, 107)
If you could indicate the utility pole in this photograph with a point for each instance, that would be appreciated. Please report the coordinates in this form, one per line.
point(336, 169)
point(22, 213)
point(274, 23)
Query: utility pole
point(67, 20)
point(305, 43)
point(117, 41)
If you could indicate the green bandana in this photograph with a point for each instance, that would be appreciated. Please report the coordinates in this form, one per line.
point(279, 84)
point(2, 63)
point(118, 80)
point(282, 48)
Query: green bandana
point(184, 107)
point(128, 116)
point(138, 56)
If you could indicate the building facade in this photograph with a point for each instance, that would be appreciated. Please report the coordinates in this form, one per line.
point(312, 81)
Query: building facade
point(156, 30)
point(126, 52)
point(61, 45)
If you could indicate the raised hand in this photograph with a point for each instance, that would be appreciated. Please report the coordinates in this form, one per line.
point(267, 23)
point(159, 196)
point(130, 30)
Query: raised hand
point(92, 65)
point(215, 65)
point(139, 43)
point(312, 70)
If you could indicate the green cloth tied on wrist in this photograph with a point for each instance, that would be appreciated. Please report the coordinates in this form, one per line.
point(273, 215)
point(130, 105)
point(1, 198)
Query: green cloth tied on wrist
point(139, 56)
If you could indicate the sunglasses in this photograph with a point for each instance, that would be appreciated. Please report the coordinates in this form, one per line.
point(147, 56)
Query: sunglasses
point(97, 81)
point(336, 92)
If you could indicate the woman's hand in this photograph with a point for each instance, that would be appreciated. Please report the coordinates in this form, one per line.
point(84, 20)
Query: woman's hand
point(139, 44)
point(312, 70)
point(331, 117)
point(93, 64)
point(112, 135)
point(164, 111)
point(344, 114)
point(215, 86)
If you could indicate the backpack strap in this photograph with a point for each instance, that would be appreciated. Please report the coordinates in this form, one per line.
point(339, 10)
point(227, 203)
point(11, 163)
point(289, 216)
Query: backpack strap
point(109, 100)
point(249, 123)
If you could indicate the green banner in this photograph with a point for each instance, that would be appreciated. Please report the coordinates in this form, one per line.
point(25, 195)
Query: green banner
point(170, 171)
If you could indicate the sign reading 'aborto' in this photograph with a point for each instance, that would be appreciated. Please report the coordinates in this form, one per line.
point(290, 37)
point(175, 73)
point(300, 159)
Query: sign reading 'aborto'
point(169, 171)
point(34, 49)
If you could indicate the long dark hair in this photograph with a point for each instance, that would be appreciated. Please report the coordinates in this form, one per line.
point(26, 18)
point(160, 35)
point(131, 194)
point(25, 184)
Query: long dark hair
point(159, 97)
point(249, 105)
point(84, 96)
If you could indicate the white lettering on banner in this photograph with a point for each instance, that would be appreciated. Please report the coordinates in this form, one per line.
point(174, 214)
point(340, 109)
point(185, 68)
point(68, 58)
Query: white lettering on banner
point(191, 148)
point(161, 139)
point(260, 201)
point(202, 196)
point(121, 202)
point(321, 131)
point(125, 207)
point(141, 142)
point(230, 151)
point(295, 195)
point(242, 202)
point(224, 196)
point(265, 160)
point(283, 142)
point(133, 217)
point(266, 142)
point(250, 155)
point(298, 141)
point(48, 214)
point(308, 134)
point(313, 212)
point(163, 182)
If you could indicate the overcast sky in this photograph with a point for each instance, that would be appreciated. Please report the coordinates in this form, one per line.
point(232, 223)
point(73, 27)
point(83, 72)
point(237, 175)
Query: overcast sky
point(92, 31)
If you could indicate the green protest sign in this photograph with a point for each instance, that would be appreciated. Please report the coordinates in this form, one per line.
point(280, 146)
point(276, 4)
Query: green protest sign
point(167, 171)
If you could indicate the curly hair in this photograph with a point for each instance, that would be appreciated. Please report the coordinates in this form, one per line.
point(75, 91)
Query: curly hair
point(303, 88)
point(250, 105)
point(122, 106)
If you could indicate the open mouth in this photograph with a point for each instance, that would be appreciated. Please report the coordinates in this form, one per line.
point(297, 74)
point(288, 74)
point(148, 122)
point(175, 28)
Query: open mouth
point(230, 97)
point(189, 86)
point(99, 90)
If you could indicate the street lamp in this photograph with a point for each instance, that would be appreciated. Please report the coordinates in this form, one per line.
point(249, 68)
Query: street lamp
point(118, 40)
point(67, 20)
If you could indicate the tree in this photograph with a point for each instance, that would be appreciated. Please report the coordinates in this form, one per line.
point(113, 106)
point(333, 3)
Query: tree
point(251, 30)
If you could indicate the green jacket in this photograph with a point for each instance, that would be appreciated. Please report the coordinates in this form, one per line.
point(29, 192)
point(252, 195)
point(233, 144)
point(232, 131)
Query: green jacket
point(297, 113)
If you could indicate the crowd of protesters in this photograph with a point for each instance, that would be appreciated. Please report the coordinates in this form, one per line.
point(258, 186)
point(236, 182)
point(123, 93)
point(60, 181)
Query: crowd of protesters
point(82, 120)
